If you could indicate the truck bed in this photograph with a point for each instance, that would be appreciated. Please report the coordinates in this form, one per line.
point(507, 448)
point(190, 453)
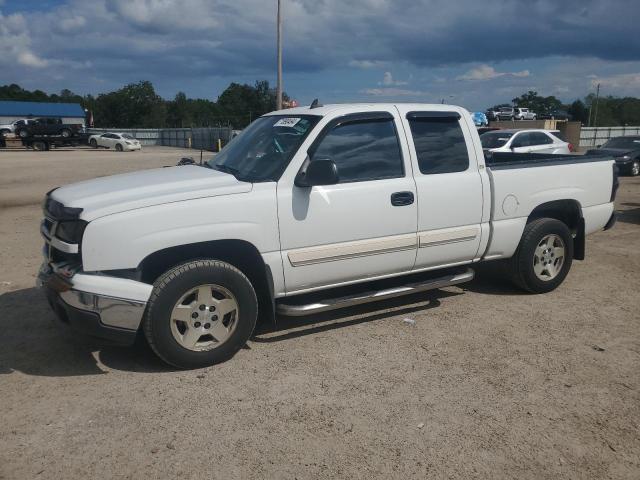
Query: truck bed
point(523, 182)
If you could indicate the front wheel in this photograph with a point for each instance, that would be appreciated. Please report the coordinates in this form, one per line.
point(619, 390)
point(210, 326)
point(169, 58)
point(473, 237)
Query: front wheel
point(23, 133)
point(119, 147)
point(635, 168)
point(544, 255)
point(200, 313)
point(65, 133)
point(94, 143)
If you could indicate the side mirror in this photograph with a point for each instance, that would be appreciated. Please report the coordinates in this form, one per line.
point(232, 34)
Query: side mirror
point(322, 171)
point(186, 161)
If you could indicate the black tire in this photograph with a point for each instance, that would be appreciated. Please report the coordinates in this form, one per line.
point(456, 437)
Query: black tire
point(66, 133)
point(119, 147)
point(23, 133)
point(521, 265)
point(39, 146)
point(93, 143)
point(634, 170)
point(172, 285)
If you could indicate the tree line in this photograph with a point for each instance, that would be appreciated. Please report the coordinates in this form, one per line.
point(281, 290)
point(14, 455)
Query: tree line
point(137, 105)
point(606, 111)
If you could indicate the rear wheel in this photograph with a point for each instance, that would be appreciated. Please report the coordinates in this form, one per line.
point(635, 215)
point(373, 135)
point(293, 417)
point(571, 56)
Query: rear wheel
point(119, 147)
point(39, 146)
point(94, 143)
point(200, 313)
point(23, 133)
point(543, 258)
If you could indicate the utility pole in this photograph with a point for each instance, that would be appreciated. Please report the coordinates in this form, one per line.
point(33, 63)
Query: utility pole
point(595, 115)
point(279, 85)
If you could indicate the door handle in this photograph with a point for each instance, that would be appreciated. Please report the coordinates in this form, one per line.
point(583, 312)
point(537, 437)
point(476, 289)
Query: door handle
point(400, 199)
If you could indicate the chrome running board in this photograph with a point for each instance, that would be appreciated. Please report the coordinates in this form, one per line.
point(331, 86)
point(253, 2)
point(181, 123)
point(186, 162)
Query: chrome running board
point(298, 310)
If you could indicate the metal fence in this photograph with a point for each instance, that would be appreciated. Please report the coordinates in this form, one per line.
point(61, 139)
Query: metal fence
point(205, 138)
point(594, 136)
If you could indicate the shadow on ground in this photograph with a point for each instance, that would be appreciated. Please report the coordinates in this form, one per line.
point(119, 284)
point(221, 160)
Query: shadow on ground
point(34, 342)
point(629, 215)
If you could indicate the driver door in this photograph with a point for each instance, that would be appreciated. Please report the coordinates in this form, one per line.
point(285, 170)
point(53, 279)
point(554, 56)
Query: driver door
point(363, 227)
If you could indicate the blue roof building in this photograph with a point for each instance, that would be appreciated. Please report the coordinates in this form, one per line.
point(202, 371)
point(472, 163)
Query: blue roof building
point(10, 110)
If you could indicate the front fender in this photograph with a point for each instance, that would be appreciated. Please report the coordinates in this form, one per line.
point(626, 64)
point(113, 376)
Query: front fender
point(123, 240)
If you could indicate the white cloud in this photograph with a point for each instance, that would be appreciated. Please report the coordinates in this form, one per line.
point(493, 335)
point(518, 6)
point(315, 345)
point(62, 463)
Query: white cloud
point(15, 38)
point(29, 59)
point(388, 80)
point(624, 82)
point(393, 92)
point(486, 72)
point(364, 64)
point(71, 24)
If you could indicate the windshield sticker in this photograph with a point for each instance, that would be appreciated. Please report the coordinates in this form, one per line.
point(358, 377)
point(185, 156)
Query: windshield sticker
point(287, 122)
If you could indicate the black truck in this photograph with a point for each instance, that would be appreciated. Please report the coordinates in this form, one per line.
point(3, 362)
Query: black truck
point(48, 127)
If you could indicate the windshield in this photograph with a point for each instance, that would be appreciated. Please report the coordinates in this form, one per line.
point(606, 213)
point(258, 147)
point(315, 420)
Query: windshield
point(506, 109)
point(631, 143)
point(495, 139)
point(263, 150)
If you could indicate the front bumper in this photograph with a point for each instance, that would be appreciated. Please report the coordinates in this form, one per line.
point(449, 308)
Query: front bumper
point(110, 308)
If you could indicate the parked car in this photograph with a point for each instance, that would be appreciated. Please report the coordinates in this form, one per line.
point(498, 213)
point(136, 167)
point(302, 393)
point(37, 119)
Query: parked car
point(492, 115)
point(555, 115)
point(482, 130)
point(11, 127)
point(48, 126)
point(625, 151)
point(479, 119)
point(302, 203)
point(119, 141)
point(524, 114)
point(506, 113)
point(525, 141)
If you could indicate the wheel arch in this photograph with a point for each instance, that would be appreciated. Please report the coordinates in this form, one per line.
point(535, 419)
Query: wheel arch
point(568, 211)
point(239, 253)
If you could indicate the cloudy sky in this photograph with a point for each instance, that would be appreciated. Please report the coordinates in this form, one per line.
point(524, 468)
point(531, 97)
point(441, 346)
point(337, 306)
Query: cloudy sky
point(473, 53)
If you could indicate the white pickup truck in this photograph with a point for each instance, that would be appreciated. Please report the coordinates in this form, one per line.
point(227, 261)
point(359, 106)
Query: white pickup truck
point(386, 199)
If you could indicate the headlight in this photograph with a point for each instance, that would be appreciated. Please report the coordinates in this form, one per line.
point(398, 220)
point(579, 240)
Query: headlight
point(71, 232)
point(128, 142)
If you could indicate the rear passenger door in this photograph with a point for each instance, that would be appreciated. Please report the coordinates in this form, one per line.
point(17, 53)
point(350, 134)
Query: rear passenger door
point(449, 187)
point(541, 143)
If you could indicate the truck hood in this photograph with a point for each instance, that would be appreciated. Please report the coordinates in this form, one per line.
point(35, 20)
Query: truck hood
point(119, 193)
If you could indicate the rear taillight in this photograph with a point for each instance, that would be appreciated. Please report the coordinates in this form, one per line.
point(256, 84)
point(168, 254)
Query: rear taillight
point(615, 184)
point(572, 148)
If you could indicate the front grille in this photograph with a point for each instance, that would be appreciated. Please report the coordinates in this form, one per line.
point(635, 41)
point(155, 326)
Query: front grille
point(54, 213)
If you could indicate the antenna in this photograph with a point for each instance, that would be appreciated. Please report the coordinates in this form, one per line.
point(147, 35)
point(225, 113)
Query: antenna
point(315, 104)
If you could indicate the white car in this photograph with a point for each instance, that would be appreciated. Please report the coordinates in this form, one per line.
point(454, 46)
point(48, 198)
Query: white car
point(120, 141)
point(11, 127)
point(302, 203)
point(524, 114)
point(525, 141)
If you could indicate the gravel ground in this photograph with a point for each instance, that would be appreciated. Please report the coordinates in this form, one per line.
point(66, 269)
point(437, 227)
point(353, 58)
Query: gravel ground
point(488, 382)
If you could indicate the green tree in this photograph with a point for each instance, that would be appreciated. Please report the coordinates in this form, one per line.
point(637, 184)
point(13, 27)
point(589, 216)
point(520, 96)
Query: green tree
point(537, 103)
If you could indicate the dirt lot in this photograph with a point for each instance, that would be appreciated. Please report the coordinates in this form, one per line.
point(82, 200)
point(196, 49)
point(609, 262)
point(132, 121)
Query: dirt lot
point(488, 383)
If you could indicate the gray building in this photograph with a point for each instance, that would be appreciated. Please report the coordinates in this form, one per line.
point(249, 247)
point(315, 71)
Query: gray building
point(11, 111)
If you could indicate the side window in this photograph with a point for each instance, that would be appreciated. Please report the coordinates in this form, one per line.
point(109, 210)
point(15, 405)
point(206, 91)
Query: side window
point(539, 138)
point(363, 150)
point(522, 139)
point(440, 144)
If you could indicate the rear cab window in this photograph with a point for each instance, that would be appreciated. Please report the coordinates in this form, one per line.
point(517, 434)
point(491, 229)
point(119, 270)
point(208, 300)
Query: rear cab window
point(439, 142)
